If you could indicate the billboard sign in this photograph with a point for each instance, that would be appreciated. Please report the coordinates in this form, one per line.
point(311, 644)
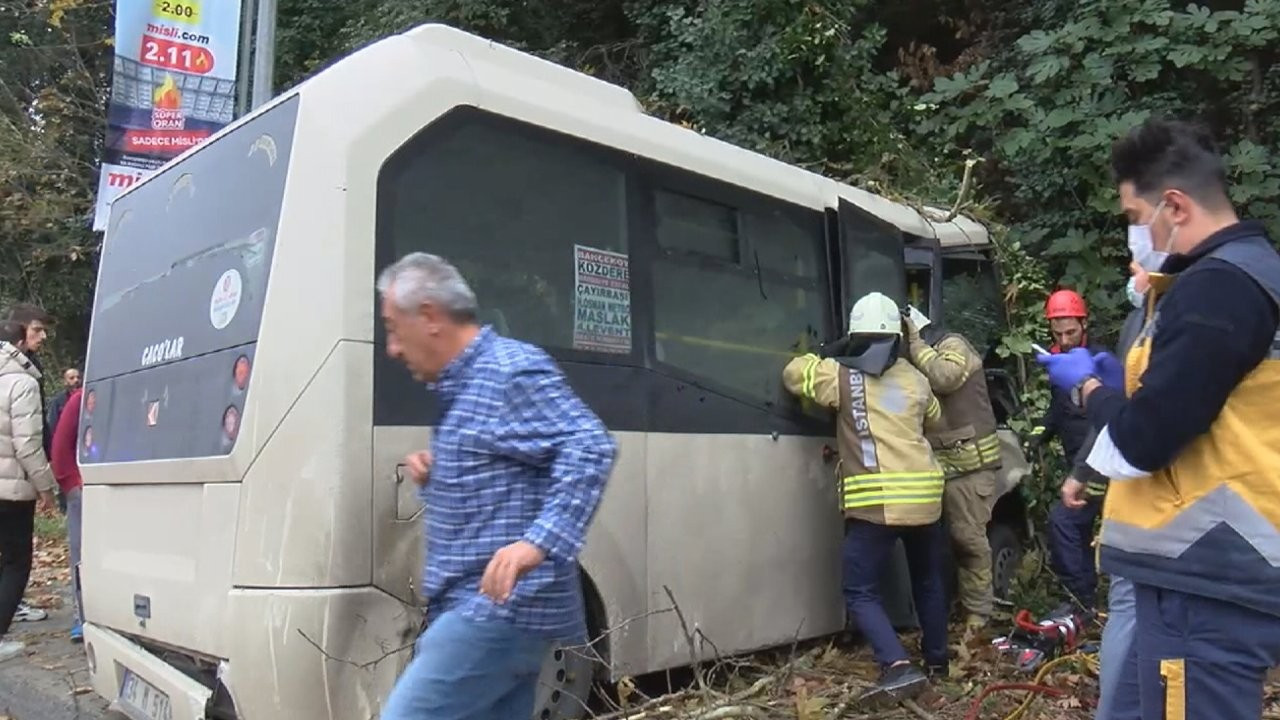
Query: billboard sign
point(173, 85)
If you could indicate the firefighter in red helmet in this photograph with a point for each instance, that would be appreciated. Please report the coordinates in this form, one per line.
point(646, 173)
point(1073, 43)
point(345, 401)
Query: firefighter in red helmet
point(1070, 529)
point(1068, 317)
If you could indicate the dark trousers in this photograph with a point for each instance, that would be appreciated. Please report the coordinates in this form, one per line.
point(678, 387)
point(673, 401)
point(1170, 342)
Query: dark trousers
point(1195, 657)
point(17, 525)
point(867, 550)
point(1071, 552)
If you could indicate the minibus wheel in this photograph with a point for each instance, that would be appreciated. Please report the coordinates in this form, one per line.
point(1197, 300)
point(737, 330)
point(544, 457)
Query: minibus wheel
point(564, 688)
point(1006, 556)
point(569, 672)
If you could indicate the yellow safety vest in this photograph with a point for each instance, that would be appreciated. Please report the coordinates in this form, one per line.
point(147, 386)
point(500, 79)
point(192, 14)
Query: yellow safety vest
point(1209, 523)
point(888, 472)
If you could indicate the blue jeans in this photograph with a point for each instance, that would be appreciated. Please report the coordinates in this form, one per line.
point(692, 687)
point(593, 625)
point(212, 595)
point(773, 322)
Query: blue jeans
point(866, 552)
point(464, 669)
point(74, 513)
point(1071, 548)
point(1118, 690)
point(1196, 657)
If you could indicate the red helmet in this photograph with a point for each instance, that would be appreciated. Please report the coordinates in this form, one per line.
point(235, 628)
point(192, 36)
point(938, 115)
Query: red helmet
point(1065, 304)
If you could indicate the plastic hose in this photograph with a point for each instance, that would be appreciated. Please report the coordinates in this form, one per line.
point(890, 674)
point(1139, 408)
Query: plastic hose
point(1033, 689)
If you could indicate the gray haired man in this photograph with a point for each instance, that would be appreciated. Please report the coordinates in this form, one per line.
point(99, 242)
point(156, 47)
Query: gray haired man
point(516, 470)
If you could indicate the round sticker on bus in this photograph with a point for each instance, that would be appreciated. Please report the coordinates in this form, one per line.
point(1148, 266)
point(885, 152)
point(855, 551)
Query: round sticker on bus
point(225, 300)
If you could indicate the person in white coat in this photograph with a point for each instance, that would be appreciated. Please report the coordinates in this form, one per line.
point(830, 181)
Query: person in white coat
point(25, 475)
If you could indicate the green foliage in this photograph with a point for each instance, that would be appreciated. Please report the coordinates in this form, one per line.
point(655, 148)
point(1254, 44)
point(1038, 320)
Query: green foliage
point(779, 76)
point(585, 34)
point(896, 97)
point(795, 80)
point(51, 527)
point(1045, 110)
point(54, 59)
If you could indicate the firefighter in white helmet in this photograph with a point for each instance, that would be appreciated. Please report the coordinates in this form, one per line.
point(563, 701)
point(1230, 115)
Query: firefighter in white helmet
point(968, 449)
point(891, 486)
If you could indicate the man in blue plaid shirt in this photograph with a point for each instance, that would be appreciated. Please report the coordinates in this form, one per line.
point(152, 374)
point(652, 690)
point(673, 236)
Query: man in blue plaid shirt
point(514, 475)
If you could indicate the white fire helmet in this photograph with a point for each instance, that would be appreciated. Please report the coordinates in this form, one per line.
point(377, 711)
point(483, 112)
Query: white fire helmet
point(875, 314)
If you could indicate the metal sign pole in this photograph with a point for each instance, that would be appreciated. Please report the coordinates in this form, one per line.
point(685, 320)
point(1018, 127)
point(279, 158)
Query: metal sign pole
point(244, 69)
point(264, 53)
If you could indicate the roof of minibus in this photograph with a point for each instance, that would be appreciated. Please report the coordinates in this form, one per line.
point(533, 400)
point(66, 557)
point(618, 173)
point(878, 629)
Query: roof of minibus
point(501, 71)
point(525, 75)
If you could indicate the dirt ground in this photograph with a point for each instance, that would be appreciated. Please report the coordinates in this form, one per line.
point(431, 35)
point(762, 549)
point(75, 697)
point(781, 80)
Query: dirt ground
point(51, 682)
point(822, 681)
point(808, 682)
point(811, 681)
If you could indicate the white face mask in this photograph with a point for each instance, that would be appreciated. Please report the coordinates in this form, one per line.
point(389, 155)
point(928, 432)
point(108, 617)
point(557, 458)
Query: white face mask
point(1142, 247)
point(1135, 297)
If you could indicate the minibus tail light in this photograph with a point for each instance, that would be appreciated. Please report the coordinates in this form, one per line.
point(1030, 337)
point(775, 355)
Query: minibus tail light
point(240, 373)
point(231, 422)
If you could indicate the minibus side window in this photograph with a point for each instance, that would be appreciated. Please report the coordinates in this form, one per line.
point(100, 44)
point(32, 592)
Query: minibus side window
point(873, 257)
point(738, 291)
point(536, 225)
point(975, 306)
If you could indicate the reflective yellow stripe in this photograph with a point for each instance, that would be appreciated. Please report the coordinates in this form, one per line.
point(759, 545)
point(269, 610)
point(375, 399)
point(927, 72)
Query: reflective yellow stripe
point(969, 451)
point(901, 488)
point(894, 476)
point(810, 377)
point(983, 446)
point(955, 357)
point(965, 455)
point(1174, 673)
point(926, 355)
point(876, 500)
point(934, 411)
point(970, 455)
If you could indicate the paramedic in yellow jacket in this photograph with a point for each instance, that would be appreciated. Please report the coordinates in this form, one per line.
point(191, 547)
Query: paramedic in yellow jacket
point(968, 449)
point(1189, 434)
point(891, 485)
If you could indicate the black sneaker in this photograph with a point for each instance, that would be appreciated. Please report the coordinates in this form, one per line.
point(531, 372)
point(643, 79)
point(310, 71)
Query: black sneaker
point(897, 683)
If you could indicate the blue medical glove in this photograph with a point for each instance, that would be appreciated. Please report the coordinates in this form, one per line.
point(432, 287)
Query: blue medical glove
point(1109, 370)
point(1069, 369)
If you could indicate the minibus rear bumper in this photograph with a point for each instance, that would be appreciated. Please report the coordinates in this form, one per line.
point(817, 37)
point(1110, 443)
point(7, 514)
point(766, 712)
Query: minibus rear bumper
point(112, 658)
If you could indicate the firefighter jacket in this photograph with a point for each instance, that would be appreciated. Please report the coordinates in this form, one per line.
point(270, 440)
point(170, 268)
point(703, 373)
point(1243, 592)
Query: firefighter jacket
point(969, 442)
point(1207, 521)
point(888, 474)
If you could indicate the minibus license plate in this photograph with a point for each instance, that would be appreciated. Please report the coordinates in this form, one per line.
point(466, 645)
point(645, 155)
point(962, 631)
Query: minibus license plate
point(144, 698)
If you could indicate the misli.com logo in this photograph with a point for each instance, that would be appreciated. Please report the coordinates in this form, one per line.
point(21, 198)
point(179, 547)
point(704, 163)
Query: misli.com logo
point(170, 32)
point(123, 179)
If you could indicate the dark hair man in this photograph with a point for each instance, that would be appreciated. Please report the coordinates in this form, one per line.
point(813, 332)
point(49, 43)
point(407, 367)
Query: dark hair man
point(24, 475)
point(1188, 433)
point(33, 323)
point(70, 383)
point(1071, 553)
point(35, 327)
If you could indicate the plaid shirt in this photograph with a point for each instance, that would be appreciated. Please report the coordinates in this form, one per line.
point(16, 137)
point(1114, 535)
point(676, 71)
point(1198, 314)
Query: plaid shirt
point(517, 456)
